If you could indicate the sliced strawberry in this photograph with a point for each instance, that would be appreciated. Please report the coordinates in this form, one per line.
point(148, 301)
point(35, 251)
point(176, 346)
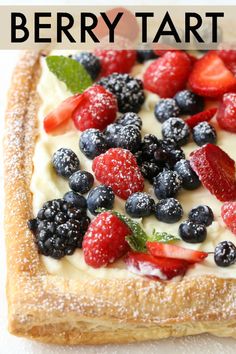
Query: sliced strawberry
point(165, 250)
point(216, 170)
point(229, 58)
point(155, 268)
point(204, 116)
point(210, 77)
point(228, 213)
point(62, 113)
point(226, 116)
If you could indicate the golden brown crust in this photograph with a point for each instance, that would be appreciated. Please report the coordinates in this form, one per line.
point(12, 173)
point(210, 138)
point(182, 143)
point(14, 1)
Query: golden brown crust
point(53, 309)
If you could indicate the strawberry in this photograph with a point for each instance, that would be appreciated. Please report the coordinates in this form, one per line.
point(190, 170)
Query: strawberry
point(204, 116)
point(210, 77)
point(62, 113)
point(104, 241)
point(229, 58)
point(165, 250)
point(226, 116)
point(228, 213)
point(216, 170)
point(97, 109)
point(118, 169)
point(154, 267)
point(161, 52)
point(115, 61)
point(168, 74)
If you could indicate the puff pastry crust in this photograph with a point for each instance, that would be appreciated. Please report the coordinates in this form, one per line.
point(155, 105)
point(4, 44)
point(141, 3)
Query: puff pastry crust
point(67, 311)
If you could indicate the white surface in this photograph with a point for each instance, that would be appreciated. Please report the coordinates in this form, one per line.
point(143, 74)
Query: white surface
point(204, 344)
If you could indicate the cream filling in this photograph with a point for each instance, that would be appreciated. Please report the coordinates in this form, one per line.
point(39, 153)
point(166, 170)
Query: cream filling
point(46, 185)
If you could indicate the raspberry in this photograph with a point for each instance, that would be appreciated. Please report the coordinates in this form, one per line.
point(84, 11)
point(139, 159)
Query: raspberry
point(97, 109)
point(168, 74)
point(104, 241)
point(228, 213)
point(226, 115)
point(118, 169)
point(115, 61)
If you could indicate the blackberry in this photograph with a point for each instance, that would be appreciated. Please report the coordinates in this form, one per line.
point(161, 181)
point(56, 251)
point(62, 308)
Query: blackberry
point(189, 102)
point(192, 232)
point(165, 109)
point(81, 181)
point(100, 197)
point(149, 146)
point(168, 210)
point(90, 62)
point(204, 133)
point(60, 229)
point(225, 254)
point(202, 215)
point(145, 54)
point(176, 129)
point(76, 200)
point(128, 91)
point(130, 118)
point(139, 157)
point(189, 178)
point(166, 184)
point(139, 205)
point(92, 143)
point(150, 170)
point(168, 153)
point(65, 162)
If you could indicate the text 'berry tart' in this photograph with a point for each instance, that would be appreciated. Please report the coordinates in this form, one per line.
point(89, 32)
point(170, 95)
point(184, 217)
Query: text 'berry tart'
point(121, 196)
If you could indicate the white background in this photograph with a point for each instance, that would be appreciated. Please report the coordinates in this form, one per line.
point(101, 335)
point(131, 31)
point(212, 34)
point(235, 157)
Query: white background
point(204, 344)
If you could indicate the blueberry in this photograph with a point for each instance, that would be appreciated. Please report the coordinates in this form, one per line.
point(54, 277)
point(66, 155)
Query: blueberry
point(168, 210)
point(100, 197)
point(139, 204)
point(204, 133)
point(145, 54)
point(92, 143)
point(189, 178)
point(75, 199)
point(90, 62)
point(225, 254)
point(189, 102)
point(202, 215)
point(166, 184)
point(129, 137)
point(130, 118)
point(65, 162)
point(192, 232)
point(81, 181)
point(150, 169)
point(149, 145)
point(111, 134)
point(165, 109)
point(176, 129)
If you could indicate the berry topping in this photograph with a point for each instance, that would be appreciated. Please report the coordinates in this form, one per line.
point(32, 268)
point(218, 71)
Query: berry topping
point(145, 54)
point(100, 197)
point(210, 77)
point(216, 171)
point(75, 199)
point(81, 181)
point(165, 250)
point(192, 232)
point(204, 116)
point(154, 267)
point(202, 214)
point(228, 213)
point(139, 205)
point(165, 109)
point(189, 178)
point(225, 254)
point(166, 184)
point(118, 169)
point(204, 133)
point(130, 118)
point(176, 129)
point(65, 162)
point(115, 61)
point(167, 75)
point(150, 170)
point(168, 210)
point(188, 102)
point(90, 62)
point(226, 115)
point(92, 143)
point(128, 91)
point(104, 241)
point(59, 228)
point(97, 109)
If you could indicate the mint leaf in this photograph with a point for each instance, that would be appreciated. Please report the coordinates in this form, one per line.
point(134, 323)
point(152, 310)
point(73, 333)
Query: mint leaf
point(70, 71)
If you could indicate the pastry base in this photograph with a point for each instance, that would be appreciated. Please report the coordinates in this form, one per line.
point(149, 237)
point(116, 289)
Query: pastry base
point(69, 311)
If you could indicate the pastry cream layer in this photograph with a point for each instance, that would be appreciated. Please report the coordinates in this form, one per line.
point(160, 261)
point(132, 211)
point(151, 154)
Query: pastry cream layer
point(47, 185)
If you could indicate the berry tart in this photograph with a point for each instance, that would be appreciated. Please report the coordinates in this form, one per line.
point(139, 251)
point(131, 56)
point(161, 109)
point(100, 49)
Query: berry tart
point(120, 212)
